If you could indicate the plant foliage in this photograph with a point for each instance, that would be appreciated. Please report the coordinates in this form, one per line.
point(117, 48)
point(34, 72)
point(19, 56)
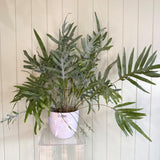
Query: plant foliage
point(66, 77)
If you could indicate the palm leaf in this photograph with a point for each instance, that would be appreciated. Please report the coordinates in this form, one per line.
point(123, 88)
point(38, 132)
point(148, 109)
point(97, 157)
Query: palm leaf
point(145, 56)
point(136, 84)
point(130, 62)
point(137, 128)
point(108, 69)
point(139, 59)
point(143, 79)
point(124, 62)
point(124, 104)
point(119, 66)
point(125, 117)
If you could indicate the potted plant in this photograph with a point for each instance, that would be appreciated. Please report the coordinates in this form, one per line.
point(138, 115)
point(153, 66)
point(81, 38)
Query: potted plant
point(66, 78)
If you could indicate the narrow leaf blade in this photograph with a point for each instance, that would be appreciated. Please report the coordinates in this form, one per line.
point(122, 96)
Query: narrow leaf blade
point(143, 79)
point(124, 62)
point(130, 62)
point(136, 84)
point(136, 127)
point(145, 56)
point(119, 66)
point(41, 44)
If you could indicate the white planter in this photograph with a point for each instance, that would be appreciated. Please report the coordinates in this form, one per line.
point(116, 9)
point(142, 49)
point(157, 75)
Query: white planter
point(63, 125)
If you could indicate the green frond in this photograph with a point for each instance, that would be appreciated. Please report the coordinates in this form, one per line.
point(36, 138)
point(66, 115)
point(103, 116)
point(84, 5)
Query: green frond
point(125, 116)
point(144, 66)
point(43, 49)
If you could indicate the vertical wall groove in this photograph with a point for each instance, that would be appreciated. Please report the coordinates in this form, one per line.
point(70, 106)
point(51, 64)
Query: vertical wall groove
point(93, 9)
point(31, 8)
point(150, 113)
point(136, 88)
point(107, 112)
point(122, 81)
point(1, 93)
point(62, 12)
point(17, 71)
point(47, 21)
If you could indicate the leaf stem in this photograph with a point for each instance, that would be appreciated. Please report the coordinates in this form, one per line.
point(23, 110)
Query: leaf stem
point(116, 81)
point(80, 103)
point(100, 105)
point(140, 71)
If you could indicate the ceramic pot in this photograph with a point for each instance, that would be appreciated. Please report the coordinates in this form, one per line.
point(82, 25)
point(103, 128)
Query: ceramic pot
point(63, 125)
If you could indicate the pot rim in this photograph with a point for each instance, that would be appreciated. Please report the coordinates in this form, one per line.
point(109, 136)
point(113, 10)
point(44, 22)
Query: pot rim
point(51, 111)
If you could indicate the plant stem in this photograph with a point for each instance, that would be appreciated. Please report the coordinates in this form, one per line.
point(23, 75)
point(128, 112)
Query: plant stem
point(116, 81)
point(77, 105)
point(127, 75)
point(100, 105)
point(65, 99)
point(11, 117)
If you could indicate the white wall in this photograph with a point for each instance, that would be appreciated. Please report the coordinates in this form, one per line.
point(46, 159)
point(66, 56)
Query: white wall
point(131, 23)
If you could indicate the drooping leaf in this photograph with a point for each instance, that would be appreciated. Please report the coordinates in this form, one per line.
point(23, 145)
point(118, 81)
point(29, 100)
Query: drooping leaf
point(124, 104)
point(135, 126)
point(136, 84)
point(156, 66)
point(143, 79)
point(152, 74)
point(120, 124)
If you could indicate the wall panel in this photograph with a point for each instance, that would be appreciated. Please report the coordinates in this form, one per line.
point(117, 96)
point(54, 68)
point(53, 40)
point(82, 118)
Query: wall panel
point(100, 138)
point(115, 31)
point(130, 22)
point(154, 113)
point(2, 143)
point(23, 42)
point(85, 25)
point(8, 73)
point(40, 23)
point(144, 99)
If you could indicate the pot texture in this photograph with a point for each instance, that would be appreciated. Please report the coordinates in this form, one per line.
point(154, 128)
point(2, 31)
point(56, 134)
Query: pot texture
point(63, 125)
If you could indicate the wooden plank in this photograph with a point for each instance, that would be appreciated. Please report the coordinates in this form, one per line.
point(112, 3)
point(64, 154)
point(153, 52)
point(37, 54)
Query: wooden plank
point(23, 35)
point(115, 31)
point(8, 73)
point(39, 22)
point(85, 26)
point(2, 143)
point(100, 117)
point(155, 118)
point(143, 99)
point(129, 91)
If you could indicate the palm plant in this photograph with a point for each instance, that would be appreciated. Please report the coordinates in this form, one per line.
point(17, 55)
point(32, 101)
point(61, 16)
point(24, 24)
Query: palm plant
point(66, 78)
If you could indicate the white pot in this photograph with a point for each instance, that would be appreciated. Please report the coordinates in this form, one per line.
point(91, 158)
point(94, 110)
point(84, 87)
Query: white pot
point(63, 125)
